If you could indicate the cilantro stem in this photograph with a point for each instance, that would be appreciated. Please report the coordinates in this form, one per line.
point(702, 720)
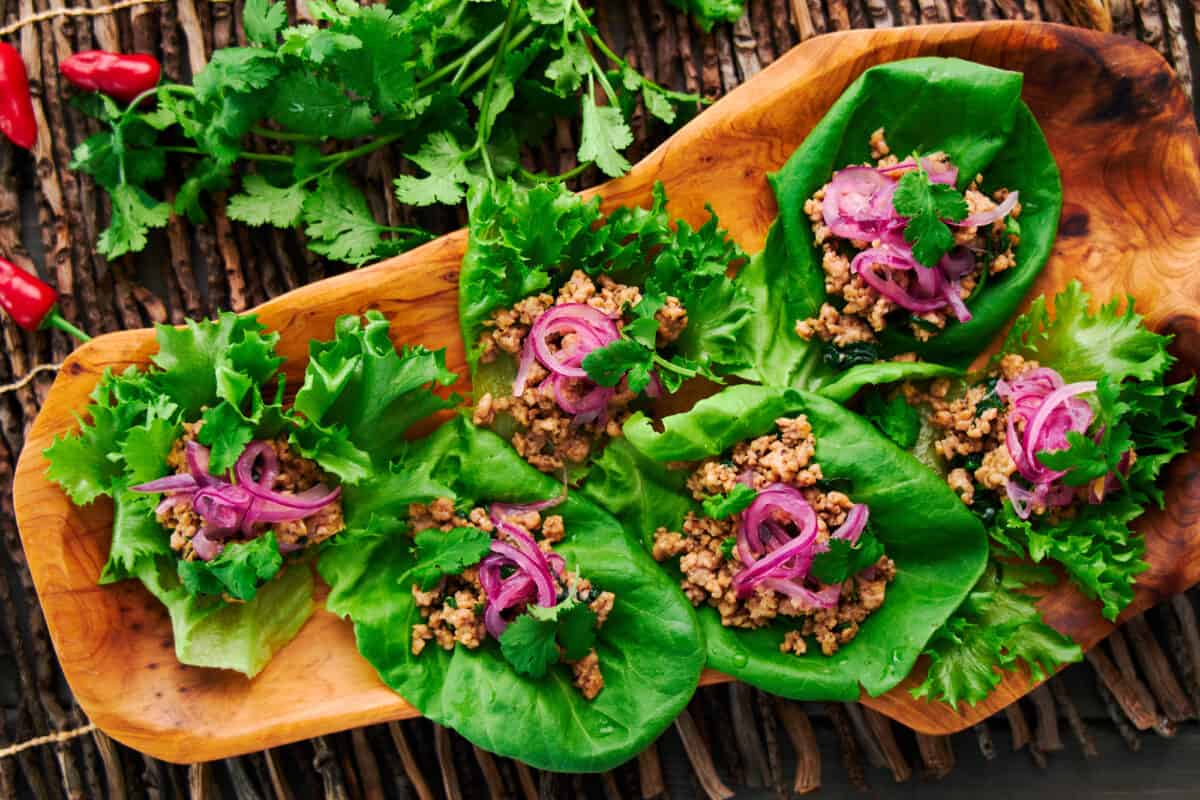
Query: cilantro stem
point(459, 65)
point(485, 118)
point(519, 37)
point(542, 177)
point(249, 156)
point(283, 136)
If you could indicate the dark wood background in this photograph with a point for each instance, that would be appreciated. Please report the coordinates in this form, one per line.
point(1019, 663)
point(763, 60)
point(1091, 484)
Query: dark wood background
point(1071, 738)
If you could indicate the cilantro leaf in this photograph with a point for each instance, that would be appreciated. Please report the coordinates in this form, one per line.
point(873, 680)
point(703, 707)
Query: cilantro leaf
point(263, 21)
point(577, 632)
point(898, 421)
point(720, 506)
point(338, 221)
point(134, 213)
point(238, 570)
point(657, 104)
point(844, 560)
point(608, 364)
point(926, 205)
point(447, 553)
point(570, 68)
point(445, 161)
point(707, 13)
point(528, 644)
point(603, 137)
point(262, 203)
point(728, 546)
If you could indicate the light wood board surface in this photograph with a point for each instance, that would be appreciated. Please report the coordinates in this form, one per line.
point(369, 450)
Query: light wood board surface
point(1123, 136)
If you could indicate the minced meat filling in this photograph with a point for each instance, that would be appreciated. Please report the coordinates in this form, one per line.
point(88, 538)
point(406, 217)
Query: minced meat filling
point(972, 431)
point(709, 564)
point(548, 437)
point(453, 611)
point(296, 474)
point(857, 312)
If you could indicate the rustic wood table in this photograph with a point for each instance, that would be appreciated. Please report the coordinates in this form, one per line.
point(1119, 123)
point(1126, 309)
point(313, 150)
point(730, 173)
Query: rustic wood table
point(1069, 737)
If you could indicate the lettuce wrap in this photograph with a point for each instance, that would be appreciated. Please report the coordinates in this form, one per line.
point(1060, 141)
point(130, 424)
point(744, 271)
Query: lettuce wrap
point(1073, 422)
point(571, 318)
point(972, 114)
point(509, 696)
point(938, 549)
point(214, 391)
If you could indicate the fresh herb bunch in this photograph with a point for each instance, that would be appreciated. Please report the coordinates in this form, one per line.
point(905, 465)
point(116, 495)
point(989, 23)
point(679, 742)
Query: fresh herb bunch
point(458, 86)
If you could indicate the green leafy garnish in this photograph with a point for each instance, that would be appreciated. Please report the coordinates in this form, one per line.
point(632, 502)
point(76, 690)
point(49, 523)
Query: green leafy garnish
point(928, 205)
point(720, 506)
point(996, 628)
point(237, 571)
point(844, 559)
point(448, 553)
point(528, 644)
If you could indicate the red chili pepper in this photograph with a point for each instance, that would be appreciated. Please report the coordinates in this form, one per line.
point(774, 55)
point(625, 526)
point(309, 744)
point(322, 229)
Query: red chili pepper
point(31, 302)
point(116, 74)
point(16, 107)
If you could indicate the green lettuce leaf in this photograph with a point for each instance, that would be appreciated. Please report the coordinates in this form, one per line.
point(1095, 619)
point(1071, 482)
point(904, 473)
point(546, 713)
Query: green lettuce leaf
point(972, 112)
point(524, 241)
point(939, 548)
point(1134, 407)
point(650, 650)
point(360, 396)
point(997, 628)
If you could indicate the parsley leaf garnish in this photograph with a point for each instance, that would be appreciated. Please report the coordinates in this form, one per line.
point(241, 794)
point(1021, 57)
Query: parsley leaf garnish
point(927, 204)
point(237, 571)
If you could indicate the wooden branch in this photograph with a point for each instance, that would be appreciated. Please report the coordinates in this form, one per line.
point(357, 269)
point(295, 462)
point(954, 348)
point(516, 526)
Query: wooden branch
point(1046, 727)
point(243, 784)
point(893, 755)
point(847, 746)
point(866, 738)
point(325, 762)
point(411, 768)
point(1179, 616)
point(444, 749)
point(1160, 676)
point(1021, 735)
point(1062, 694)
point(529, 784)
point(1124, 662)
point(881, 14)
point(369, 778)
point(1150, 21)
point(279, 784)
point(937, 753)
point(650, 774)
point(770, 727)
point(839, 15)
point(745, 735)
point(805, 23)
point(1119, 718)
point(983, 735)
point(907, 11)
point(808, 756)
point(663, 30)
point(711, 65)
point(687, 57)
point(200, 784)
point(782, 26)
point(761, 29)
point(1123, 692)
point(491, 773)
point(700, 758)
point(1172, 11)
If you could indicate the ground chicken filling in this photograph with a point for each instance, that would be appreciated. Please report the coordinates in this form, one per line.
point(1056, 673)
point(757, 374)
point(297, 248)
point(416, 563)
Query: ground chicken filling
point(856, 312)
point(971, 429)
point(549, 437)
point(296, 474)
point(709, 564)
point(453, 611)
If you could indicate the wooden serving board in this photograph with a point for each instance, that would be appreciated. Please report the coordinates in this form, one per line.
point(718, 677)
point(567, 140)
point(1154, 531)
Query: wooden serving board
point(1122, 133)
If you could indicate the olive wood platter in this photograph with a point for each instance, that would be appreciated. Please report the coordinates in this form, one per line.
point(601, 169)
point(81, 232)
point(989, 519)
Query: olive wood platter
point(1125, 140)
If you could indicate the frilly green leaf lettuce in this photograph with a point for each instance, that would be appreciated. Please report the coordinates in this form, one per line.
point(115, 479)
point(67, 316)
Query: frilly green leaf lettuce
point(524, 241)
point(996, 628)
point(650, 651)
point(939, 548)
point(360, 396)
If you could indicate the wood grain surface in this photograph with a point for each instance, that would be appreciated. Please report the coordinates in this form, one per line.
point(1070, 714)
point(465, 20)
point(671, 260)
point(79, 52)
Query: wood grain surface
point(1123, 136)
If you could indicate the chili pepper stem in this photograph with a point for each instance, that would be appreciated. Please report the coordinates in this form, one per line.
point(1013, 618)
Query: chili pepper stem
point(57, 320)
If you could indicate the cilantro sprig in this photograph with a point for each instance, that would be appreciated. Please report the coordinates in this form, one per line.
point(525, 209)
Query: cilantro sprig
point(458, 87)
point(928, 206)
point(533, 641)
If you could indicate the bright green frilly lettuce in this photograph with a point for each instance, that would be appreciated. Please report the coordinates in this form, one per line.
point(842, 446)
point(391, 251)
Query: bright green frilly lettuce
point(939, 548)
point(225, 372)
point(973, 113)
point(650, 649)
